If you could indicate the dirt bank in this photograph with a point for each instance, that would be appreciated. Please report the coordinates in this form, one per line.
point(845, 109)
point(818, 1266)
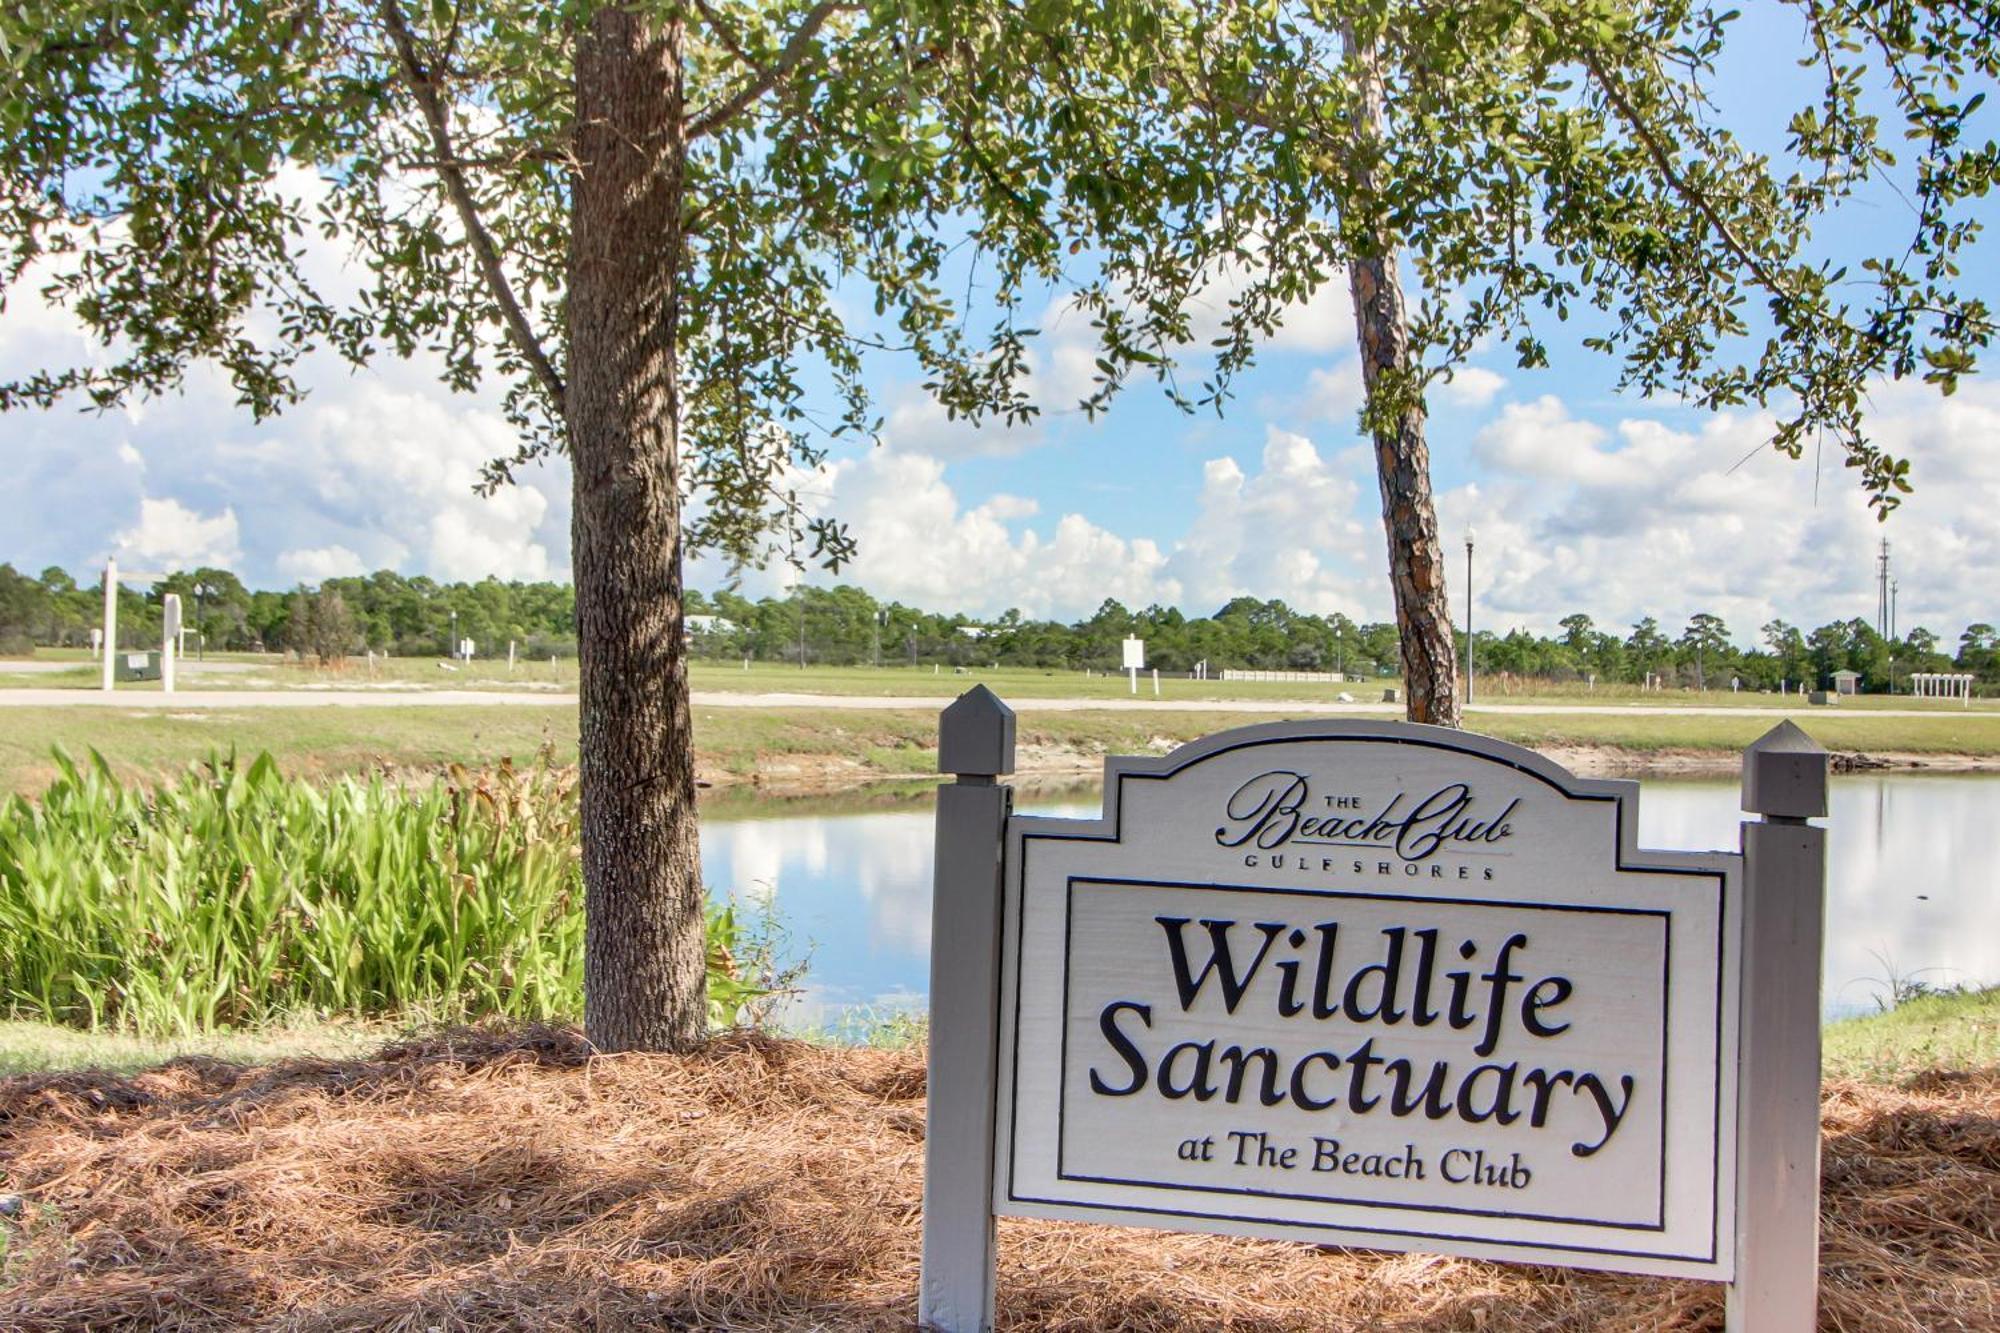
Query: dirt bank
point(1052, 762)
point(1610, 761)
point(513, 1181)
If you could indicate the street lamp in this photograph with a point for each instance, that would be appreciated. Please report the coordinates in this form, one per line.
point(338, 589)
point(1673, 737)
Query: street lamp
point(201, 592)
point(1468, 616)
point(452, 651)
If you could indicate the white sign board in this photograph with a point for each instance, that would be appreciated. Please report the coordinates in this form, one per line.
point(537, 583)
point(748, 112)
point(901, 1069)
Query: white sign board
point(170, 615)
point(1374, 985)
point(1135, 655)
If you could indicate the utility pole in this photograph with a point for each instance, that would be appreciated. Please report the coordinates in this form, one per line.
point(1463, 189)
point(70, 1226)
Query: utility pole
point(1468, 617)
point(1882, 590)
point(1893, 587)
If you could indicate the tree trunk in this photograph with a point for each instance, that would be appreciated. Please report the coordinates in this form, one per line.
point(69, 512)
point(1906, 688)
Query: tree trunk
point(1402, 455)
point(644, 952)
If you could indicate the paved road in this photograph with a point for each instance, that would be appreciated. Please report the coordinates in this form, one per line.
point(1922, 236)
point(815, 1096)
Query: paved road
point(193, 700)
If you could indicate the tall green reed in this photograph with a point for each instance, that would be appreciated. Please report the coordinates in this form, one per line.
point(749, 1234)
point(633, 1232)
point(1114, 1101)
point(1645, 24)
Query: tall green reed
point(234, 896)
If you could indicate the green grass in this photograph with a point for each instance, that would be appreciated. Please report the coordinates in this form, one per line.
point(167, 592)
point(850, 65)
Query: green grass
point(1974, 734)
point(1947, 1030)
point(814, 745)
point(306, 742)
point(31, 1047)
point(1951, 1031)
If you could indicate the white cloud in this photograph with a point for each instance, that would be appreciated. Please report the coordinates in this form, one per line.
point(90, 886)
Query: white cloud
point(1321, 324)
point(1644, 519)
point(1617, 517)
point(376, 467)
point(1472, 386)
point(920, 544)
point(319, 563)
point(171, 536)
point(1334, 393)
point(916, 422)
point(1621, 521)
point(1291, 531)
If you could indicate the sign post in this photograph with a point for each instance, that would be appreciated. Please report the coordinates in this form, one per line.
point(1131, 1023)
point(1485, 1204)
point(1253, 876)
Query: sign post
point(975, 742)
point(1784, 916)
point(1380, 985)
point(110, 623)
point(170, 633)
point(1135, 660)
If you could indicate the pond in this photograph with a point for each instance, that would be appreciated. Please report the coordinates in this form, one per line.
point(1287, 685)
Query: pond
point(1913, 880)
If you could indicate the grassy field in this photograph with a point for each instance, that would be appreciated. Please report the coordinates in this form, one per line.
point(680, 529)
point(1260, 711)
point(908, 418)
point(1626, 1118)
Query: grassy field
point(821, 746)
point(307, 742)
point(264, 671)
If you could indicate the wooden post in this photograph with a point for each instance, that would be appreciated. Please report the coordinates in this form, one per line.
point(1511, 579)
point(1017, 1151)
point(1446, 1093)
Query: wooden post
point(975, 742)
point(1777, 1144)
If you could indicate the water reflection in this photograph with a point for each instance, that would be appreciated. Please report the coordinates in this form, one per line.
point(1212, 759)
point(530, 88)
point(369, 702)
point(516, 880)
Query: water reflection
point(1913, 890)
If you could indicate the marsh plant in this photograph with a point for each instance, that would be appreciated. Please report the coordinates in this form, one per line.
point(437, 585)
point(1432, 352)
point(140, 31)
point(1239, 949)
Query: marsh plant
point(236, 896)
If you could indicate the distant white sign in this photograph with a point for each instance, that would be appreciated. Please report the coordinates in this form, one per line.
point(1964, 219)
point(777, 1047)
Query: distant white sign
point(1135, 655)
point(1372, 987)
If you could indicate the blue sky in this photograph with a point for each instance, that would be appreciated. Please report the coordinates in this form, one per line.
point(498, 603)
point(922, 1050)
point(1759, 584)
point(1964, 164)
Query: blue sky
point(1583, 500)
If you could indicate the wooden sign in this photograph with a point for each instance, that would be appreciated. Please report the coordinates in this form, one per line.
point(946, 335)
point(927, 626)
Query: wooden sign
point(1381, 985)
point(1371, 988)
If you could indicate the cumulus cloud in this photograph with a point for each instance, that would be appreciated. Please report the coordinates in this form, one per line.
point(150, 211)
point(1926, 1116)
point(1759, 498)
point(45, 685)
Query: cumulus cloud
point(1629, 518)
point(1472, 386)
point(1644, 518)
point(171, 536)
point(317, 563)
point(921, 544)
point(1619, 515)
point(376, 468)
point(1292, 531)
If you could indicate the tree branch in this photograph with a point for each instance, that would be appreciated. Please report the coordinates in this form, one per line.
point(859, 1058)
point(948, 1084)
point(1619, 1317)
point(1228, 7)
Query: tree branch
point(451, 173)
point(714, 117)
point(1695, 199)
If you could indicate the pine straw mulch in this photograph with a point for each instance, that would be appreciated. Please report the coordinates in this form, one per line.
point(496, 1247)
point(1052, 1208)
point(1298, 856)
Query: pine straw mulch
point(511, 1180)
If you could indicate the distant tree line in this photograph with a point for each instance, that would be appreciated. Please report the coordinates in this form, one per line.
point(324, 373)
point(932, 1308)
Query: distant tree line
point(845, 626)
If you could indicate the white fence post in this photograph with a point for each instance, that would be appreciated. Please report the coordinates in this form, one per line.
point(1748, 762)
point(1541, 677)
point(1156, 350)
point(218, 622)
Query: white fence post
point(975, 742)
point(1777, 1144)
point(110, 623)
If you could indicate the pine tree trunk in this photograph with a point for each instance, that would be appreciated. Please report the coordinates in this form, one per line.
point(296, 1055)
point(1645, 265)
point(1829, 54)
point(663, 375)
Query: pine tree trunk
point(1402, 454)
point(644, 952)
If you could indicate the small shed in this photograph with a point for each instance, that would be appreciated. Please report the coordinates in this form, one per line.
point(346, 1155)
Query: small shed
point(1847, 682)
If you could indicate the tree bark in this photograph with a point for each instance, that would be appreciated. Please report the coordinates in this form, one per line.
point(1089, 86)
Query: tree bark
point(644, 952)
point(1402, 454)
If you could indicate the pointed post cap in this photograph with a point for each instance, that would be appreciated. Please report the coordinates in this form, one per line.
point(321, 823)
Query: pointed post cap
point(1784, 774)
point(976, 735)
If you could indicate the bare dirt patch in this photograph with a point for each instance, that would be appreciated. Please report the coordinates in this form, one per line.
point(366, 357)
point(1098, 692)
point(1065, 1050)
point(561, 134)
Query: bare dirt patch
point(513, 1180)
